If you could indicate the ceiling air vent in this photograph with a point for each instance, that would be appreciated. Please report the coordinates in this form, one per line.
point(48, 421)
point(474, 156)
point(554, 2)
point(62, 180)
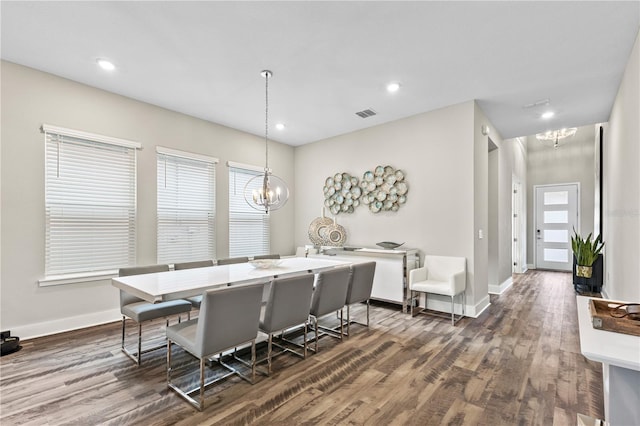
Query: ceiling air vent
point(366, 113)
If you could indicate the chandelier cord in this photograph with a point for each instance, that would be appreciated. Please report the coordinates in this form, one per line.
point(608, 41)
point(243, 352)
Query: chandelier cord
point(266, 121)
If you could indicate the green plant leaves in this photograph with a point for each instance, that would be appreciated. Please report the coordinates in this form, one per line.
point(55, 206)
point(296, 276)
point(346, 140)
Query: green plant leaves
point(585, 250)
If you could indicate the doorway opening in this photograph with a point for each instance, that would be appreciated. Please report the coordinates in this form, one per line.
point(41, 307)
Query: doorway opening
point(556, 215)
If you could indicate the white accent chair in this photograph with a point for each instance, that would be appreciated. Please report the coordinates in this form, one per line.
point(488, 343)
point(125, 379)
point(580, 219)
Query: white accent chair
point(443, 275)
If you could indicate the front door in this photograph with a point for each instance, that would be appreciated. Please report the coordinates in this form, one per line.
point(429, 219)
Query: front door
point(556, 216)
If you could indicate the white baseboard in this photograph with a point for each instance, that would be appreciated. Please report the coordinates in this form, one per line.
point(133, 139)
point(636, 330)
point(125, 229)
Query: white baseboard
point(444, 305)
point(30, 331)
point(499, 289)
point(480, 307)
point(530, 266)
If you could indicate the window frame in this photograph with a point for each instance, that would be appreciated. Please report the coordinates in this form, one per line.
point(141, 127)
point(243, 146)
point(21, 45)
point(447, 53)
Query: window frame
point(184, 163)
point(59, 197)
point(265, 218)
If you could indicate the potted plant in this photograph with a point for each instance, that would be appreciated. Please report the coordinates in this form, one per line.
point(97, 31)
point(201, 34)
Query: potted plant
point(586, 252)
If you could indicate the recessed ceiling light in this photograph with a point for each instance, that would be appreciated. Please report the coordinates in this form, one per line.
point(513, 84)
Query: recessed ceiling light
point(548, 115)
point(393, 87)
point(280, 126)
point(106, 65)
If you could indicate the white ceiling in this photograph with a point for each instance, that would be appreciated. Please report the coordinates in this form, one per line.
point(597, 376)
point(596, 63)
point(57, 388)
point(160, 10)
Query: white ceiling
point(332, 59)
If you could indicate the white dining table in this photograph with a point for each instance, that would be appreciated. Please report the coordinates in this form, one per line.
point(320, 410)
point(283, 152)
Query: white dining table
point(162, 286)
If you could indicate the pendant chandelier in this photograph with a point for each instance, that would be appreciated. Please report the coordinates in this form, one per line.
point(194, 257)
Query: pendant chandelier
point(266, 191)
point(556, 135)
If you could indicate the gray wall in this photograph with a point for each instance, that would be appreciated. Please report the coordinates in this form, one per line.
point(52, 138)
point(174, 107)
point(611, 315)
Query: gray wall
point(574, 161)
point(493, 228)
point(437, 152)
point(621, 187)
point(31, 98)
point(512, 167)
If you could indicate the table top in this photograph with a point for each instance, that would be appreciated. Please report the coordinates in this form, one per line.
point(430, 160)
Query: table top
point(192, 282)
point(622, 350)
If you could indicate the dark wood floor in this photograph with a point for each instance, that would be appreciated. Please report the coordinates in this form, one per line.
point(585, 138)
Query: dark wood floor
point(518, 363)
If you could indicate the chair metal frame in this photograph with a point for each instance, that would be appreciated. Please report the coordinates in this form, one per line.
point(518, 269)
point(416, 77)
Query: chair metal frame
point(367, 301)
point(202, 386)
point(219, 353)
point(275, 302)
point(415, 295)
point(137, 356)
point(319, 330)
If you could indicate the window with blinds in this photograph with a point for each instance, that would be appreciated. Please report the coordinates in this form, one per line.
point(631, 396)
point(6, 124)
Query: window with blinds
point(186, 206)
point(248, 228)
point(90, 202)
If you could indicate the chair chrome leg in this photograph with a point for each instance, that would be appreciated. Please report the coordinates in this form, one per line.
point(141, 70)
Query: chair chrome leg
point(342, 324)
point(348, 319)
point(168, 362)
point(304, 339)
point(139, 343)
point(367, 313)
point(253, 361)
point(315, 327)
point(202, 362)
point(453, 322)
point(123, 323)
point(269, 343)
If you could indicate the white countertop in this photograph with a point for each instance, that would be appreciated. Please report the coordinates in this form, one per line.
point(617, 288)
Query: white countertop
point(622, 350)
point(192, 282)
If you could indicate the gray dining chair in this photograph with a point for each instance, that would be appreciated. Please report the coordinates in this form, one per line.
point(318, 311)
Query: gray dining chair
point(195, 300)
point(140, 310)
point(360, 286)
point(228, 318)
point(329, 295)
point(287, 307)
point(267, 256)
point(191, 265)
point(232, 260)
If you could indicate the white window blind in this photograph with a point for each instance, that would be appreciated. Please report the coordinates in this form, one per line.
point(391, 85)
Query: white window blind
point(248, 228)
point(90, 202)
point(186, 206)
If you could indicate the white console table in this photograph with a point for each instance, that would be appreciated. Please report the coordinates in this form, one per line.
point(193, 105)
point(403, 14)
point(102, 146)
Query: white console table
point(620, 358)
point(390, 283)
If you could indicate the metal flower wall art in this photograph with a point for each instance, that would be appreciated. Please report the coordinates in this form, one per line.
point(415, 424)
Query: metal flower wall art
point(341, 193)
point(381, 189)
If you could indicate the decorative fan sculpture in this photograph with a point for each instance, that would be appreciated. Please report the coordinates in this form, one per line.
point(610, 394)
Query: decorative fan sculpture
point(317, 229)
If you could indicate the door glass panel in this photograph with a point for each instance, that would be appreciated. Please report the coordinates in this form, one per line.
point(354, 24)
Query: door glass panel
point(556, 255)
point(556, 216)
point(556, 198)
point(556, 236)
